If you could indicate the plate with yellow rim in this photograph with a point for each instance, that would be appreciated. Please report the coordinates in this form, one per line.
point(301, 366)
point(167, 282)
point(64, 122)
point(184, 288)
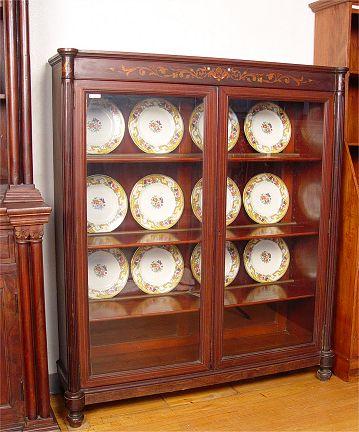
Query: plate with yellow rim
point(233, 201)
point(266, 260)
point(156, 126)
point(231, 266)
point(106, 203)
point(105, 126)
point(108, 272)
point(157, 269)
point(156, 202)
point(267, 128)
point(266, 198)
point(196, 127)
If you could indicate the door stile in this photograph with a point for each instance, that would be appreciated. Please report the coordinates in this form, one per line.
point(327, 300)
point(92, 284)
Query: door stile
point(210, 177)
point(220, 224)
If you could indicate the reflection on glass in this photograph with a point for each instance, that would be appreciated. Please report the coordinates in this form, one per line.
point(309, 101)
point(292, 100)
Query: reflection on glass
point(143, 294)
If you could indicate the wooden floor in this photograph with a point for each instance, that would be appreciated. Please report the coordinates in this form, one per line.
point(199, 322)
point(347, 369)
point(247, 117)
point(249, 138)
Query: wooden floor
point(288, 402)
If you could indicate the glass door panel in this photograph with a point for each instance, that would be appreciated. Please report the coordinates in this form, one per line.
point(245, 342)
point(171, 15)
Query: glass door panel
point(274, 190)
point(145, 156)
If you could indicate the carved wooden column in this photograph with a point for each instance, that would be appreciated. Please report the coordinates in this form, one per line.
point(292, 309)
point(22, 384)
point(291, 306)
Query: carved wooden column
point(25, 214)
point(28, 219)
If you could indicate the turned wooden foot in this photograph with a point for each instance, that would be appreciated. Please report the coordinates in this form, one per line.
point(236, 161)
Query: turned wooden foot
point(326, 362)
point(75, 418)
point(324, 374)
point(75, 403)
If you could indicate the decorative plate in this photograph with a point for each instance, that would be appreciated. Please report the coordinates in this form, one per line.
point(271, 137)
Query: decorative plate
point(233, 204)
point(107, 273)
point(196, 127)
point(266, 292)
point(105, 126)
point(267, 128)
point(231, 266)
point(106, 204)
point(266, 198)
point(157, 269)
point(266, 260)
point(156, 202)
point(156, 126)
point(155, 305)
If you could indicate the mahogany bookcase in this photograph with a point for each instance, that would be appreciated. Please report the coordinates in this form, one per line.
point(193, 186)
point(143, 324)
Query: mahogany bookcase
point(200, 333)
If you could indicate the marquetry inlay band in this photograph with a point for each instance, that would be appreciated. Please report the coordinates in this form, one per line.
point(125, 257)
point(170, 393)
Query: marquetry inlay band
point(217, 73)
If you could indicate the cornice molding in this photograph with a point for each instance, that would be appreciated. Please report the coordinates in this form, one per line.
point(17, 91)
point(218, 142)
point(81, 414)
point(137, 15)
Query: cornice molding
point(325, 4)
point(25, 206)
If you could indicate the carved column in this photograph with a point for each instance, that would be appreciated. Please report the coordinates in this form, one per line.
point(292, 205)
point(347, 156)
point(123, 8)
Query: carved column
point(28, 219)
point(327, 354)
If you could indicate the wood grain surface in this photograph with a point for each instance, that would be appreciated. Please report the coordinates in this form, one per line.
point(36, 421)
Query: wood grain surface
point(286, 402)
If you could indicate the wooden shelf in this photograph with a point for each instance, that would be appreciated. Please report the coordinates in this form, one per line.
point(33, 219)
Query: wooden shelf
point(255, 343)
point(198, 157)
point(143, 305)
point(143, 238)
point(177, 302)
point(145, 158)
point(268, 293)
point(247, 232)
point(353, 144)
point(122, 356)
point(194, 235)
point(278, 157)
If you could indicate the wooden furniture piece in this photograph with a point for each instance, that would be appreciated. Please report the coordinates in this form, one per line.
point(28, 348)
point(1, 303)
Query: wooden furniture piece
point(341, 48)
point(199, 333)
point(24, 387)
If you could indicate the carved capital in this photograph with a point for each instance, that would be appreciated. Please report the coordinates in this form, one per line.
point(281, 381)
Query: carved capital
point(29, 233)
point(68, 57)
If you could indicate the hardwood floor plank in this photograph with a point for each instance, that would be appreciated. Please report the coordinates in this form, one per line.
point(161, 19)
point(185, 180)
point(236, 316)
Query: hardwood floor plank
point(295, 402)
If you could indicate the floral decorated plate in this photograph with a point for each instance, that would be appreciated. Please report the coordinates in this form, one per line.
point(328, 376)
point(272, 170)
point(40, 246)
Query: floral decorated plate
point(231, 266)
point(157, 269)
point(266, 198)
point(107, 273)
point(196, 127)
point(266, 293)
point(267, 128)
point(105, 126)
point(266, 260)
point(156, 202)
point(106, 204)
point(233, 204)
point(155, 305)
point(156, 126)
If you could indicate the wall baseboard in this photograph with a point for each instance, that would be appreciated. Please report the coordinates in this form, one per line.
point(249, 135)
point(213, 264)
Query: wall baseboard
point(54, 384)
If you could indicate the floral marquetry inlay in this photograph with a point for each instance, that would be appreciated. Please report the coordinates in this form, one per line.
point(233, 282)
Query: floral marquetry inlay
point(218, 73)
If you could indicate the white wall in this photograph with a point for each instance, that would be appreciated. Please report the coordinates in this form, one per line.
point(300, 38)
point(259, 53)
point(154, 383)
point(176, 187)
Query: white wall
point(272, 30)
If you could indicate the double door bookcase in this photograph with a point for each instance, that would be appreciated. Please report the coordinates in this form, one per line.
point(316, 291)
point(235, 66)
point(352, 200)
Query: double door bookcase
point(196, 214)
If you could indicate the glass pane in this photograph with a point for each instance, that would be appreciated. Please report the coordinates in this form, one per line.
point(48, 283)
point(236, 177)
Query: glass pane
point(274, 172)
point(142, 166)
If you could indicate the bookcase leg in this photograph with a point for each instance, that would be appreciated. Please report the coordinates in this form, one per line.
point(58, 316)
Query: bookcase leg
point(326, 362)
point(75, 403)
